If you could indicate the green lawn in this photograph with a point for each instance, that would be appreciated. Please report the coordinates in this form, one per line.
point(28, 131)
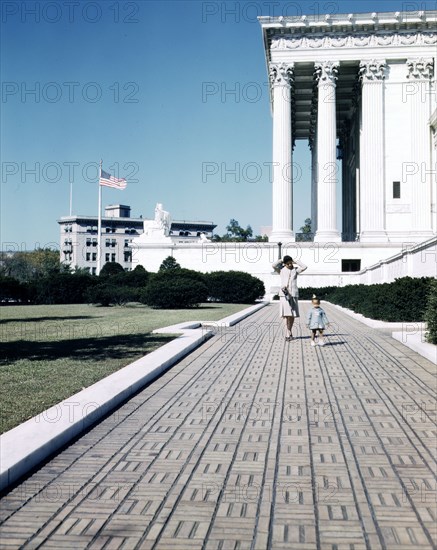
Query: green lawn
point(48, 353)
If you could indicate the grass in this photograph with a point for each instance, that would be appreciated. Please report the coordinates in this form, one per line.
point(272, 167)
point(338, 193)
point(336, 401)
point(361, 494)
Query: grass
point(48, 353)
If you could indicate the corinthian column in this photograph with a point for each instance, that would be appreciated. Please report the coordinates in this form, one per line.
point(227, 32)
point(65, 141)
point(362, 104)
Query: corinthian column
point(281, 77)
point(327, 173)
point(420, 72)
point(372, 165)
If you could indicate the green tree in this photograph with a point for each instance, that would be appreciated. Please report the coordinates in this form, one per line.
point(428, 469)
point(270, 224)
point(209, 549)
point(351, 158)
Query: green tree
point(27, 266)
point(261, 238)
point(169, 263)
point(111, 269)
point(305, 231)
point(136, 278)
point(235, 233)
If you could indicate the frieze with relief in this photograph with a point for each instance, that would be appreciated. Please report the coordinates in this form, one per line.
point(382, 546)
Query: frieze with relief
point(353, 41)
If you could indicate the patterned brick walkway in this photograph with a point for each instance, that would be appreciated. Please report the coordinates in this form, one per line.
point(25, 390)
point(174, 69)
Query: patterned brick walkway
point(251, 443)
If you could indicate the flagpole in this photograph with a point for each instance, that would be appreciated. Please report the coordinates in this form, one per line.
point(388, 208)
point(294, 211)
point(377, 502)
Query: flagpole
point(71, 198)
point(99, 225)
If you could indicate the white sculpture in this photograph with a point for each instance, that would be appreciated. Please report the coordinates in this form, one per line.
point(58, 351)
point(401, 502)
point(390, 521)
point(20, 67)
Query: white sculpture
point(162, 219)
point(158, 229)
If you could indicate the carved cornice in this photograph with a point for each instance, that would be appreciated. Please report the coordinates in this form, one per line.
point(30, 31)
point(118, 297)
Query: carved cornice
point(281, 74)
point(372, 70)
point(356, 40)
point(420, 68)
point(326, 71)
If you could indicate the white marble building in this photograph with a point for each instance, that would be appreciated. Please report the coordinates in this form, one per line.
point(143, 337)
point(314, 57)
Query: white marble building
point(361, 89)
point(362, 85)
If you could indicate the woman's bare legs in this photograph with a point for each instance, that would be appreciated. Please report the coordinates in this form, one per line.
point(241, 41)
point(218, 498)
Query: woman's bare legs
point(289, 321)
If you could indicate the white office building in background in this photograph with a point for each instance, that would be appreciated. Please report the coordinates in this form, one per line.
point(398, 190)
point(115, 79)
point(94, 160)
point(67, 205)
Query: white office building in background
point(79, 237)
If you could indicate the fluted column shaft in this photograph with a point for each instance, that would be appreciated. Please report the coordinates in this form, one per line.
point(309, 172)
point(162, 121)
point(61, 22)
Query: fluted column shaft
point(314, 176)
point(327, 173)
point(281, 76)
point(420, 72)
point(372, 200)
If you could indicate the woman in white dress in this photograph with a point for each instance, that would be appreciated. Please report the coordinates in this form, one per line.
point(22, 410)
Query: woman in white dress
point(289, 269)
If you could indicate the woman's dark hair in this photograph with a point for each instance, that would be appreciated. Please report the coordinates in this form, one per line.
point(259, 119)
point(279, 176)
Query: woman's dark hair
point(287, 259)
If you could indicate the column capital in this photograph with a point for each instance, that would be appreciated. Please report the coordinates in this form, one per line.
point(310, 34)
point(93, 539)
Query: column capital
point(281, 74)
point(420, 68)
point(372, 70)
point(326, 71)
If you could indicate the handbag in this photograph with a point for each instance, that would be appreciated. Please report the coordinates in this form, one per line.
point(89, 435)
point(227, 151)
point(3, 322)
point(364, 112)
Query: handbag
point(287, 294)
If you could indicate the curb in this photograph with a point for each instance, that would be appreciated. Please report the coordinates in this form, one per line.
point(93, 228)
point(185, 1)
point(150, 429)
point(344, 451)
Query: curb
point(22, 448)
point(411, 334)
point(236, 317)
point(416, 342)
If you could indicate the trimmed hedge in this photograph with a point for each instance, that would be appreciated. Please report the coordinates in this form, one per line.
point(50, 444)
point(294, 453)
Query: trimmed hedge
point(431, 313)
point(61, 288)
point(175, 289)
point(234, 287)
point(118, 287)
point(108, 293)
point(11, 290)
point(404, 300)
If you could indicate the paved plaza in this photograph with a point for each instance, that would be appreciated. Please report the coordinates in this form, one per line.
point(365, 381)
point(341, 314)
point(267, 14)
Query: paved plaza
point(251, 442)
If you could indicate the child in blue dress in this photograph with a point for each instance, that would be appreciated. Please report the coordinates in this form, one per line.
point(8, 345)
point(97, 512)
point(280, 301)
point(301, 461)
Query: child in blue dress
point(317, 321)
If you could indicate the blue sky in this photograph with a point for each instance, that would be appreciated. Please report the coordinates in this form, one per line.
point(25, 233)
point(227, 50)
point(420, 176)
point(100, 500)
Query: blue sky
point(172, 95)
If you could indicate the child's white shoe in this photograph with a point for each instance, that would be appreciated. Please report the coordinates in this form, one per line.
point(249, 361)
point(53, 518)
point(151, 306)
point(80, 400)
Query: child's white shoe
point(313, 344)
point(321, 342)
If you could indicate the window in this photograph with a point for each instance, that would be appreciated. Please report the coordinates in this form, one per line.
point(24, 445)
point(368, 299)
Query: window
point(113, 243)
point(396, 189)
point(107, 257)
point(128, 256)
point(94, 256)
point(112, 257)
point(350, 265)
point(88, 256)
point(107, 243)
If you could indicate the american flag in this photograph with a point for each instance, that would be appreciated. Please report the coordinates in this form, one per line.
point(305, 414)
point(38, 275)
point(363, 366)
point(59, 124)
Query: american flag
point(110, 181)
